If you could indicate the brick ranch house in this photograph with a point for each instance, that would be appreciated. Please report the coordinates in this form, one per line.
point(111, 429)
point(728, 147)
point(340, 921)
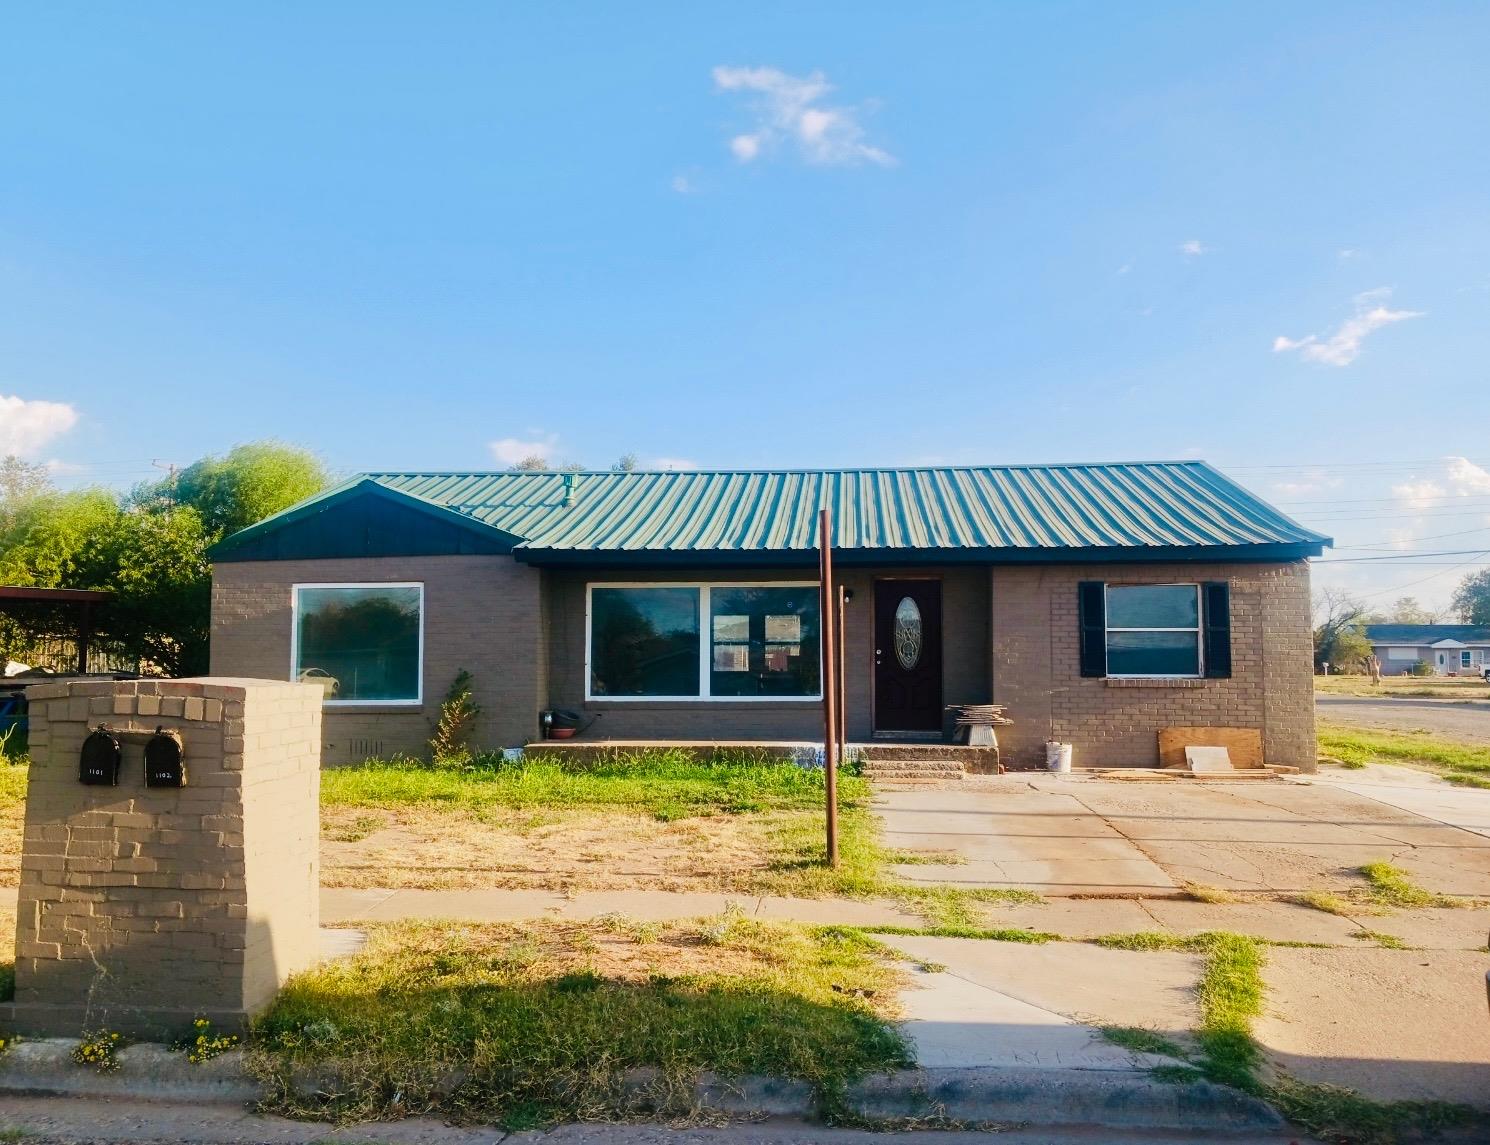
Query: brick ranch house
point(1099, 603)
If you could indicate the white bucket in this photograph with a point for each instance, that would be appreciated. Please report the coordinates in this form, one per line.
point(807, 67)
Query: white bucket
point(1057, 756)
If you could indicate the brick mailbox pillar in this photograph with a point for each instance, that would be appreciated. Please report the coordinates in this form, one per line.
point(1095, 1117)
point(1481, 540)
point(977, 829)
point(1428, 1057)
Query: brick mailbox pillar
point(142, 907)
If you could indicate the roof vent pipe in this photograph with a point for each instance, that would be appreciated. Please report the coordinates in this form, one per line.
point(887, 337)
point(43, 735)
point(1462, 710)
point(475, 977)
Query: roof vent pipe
point(570, 481)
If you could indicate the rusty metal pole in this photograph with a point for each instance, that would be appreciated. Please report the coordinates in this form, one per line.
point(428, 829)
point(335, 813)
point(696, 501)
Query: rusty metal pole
point(828, 625)
point(842, 635)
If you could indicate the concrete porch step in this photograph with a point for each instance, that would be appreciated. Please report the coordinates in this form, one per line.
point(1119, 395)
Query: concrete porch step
point(916, 765)
point(913, 770)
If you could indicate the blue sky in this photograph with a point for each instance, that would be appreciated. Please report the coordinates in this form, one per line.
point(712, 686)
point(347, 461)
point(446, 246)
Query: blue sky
point(765, 235)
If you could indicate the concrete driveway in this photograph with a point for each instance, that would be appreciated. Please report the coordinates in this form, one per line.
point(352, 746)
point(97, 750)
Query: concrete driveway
point(1467, 720)
point(1078, 836)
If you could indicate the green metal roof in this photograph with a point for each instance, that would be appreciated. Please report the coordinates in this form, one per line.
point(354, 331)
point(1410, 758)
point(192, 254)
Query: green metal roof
point(1121, 511)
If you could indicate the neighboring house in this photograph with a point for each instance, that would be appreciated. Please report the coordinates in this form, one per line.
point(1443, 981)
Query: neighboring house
point(1100, 603)
point(1450, 649)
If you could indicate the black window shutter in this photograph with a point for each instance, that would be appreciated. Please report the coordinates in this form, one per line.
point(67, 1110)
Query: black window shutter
point(1217, 629)
point(1091, 621)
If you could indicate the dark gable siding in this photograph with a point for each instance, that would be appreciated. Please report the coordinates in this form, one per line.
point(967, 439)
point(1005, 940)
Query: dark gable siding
point(365, 526)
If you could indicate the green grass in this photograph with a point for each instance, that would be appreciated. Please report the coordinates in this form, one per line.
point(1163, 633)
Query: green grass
point(1230, 994)
point(667, 784)
point(1391, 887)
point(1331, 903)
point(12, 786)
point(1451, 687)
point(1136, 1040)
point(540, 1022)
point(796, 868)
point(1462, 763)
point(985, 934)
point(1385, 941)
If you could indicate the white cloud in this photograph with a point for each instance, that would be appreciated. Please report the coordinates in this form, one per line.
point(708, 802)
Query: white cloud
point(1348, 252)
point(1467, 479)
point(1419, 494)
point(683, 185)
point(669, 463)
point(1343, 346)
point(746, 147)
point(26, 426)
point(511, 450)
point(1194, 247)
point(788, 109)
point(1311, 481)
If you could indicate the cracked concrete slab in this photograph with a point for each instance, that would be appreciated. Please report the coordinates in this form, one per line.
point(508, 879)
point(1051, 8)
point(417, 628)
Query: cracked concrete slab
point(1393, 1024)
point(1008, 1004)
point(1079, 836)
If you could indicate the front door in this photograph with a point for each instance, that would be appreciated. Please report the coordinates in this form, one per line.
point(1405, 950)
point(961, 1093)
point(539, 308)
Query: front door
point(908, 656)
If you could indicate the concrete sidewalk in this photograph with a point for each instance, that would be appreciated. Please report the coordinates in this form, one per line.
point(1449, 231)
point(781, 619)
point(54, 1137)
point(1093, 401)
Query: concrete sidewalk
point(1436, 928)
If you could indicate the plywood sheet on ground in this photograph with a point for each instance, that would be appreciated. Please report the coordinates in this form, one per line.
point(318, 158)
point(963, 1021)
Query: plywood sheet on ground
point(1243, 744)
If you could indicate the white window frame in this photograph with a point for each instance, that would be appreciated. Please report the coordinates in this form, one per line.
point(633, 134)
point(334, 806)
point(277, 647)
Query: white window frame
point(1199, 631)
point(295, 638)
point(705, 642)
point(1466, 658)
point(1401, 652)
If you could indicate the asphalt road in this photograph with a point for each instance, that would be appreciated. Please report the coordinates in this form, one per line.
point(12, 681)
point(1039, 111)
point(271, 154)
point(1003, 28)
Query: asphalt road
point(1453, 719)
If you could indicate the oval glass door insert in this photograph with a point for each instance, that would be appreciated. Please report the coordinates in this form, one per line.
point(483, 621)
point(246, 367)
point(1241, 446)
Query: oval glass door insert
point(907, 633)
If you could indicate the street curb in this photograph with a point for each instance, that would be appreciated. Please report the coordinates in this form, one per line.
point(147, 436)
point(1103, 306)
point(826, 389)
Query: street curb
point(1112, 1099)
point(146, 1071)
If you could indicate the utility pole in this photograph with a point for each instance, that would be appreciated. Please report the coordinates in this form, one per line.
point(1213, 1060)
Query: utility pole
point(828, 611)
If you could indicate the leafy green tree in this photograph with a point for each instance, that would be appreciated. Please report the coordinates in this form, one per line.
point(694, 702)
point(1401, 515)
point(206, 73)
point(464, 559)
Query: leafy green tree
point(1472, 598)
point(1339, 639)
point(252, 482)
point(149, 549)
point(20, 481)
point(155, 564)
point(1407, 610)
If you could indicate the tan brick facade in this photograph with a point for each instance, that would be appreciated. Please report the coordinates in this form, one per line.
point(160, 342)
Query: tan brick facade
point(481, 614)
point(141, 908)
point(1009, 635)
point(965, 658)
point(1115, 723)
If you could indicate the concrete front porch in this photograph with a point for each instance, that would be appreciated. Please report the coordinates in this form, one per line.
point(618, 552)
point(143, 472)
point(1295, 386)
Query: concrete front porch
point(881, 758)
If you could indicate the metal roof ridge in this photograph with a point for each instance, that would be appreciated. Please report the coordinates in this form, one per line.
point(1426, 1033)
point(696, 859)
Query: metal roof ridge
point(961, 468)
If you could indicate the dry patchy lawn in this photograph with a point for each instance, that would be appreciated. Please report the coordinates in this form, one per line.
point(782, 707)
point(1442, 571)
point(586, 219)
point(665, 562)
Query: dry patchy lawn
point(569, 849)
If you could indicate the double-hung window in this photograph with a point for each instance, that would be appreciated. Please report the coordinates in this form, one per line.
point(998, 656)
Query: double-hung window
point(362, 643)
point(703, 642)
point(1154, 631)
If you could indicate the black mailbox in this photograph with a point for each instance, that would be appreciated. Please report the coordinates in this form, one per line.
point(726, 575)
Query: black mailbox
point(165, 761)
point(98, 762)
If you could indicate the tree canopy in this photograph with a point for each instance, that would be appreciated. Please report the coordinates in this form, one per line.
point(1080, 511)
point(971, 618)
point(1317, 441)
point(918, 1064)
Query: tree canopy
point(1472, 598)
point(1339, 637)
point(149, 547)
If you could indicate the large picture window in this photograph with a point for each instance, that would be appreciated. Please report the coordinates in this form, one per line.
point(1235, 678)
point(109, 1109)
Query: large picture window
point(704, 642)
point(362, 643)
point(1153, 630)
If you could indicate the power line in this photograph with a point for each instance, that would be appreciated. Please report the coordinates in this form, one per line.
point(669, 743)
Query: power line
point(1400, 557)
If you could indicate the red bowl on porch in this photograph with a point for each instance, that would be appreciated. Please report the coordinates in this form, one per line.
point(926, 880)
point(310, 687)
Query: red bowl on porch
point(561, 733)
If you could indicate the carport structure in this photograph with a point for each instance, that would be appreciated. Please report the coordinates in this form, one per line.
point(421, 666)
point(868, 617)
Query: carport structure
point(68, 613)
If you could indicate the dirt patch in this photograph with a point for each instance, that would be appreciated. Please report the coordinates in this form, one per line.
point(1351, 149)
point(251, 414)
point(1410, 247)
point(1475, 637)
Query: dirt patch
point(441, 849)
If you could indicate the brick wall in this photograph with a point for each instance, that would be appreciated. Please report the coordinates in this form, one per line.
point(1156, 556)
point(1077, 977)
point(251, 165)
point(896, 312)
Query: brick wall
point(481, 613)
point(965, 658)
point(142, 907)
point(1036, 668)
